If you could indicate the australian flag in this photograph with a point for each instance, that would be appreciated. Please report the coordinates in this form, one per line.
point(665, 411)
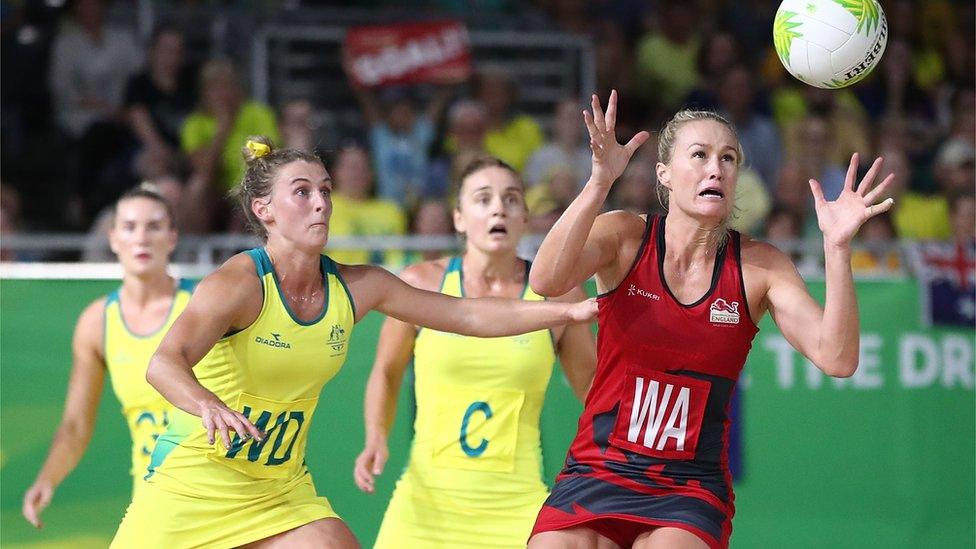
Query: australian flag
point(947, 280)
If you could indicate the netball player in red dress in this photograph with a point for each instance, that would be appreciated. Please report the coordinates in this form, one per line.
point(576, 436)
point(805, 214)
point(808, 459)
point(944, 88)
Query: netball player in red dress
point(680, 297)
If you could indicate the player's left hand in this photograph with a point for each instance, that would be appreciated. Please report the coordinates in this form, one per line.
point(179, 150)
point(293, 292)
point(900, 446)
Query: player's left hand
point(839, 220)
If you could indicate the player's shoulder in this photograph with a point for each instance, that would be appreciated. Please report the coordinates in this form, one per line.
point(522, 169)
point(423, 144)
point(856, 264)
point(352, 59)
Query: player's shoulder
point(238, 276)
point(95, 310)
point(622, 219)
point(90, 327)
point(620, 226)
point(762, 255)
point(426, 275)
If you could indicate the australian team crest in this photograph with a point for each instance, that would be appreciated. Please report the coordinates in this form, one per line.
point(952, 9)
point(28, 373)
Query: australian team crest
point(723, 312)
point(337, 338)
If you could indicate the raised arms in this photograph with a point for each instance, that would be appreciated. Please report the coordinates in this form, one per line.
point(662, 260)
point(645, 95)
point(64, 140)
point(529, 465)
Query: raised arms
point(829, 337)
point(582, 243)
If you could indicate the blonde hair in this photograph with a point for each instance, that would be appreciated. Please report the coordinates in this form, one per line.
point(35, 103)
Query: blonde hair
point(263, 162)
point(149, 191)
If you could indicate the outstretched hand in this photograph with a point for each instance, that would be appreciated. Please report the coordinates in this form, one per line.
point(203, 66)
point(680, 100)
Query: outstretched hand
point(840, 220)
point(584, 311)
point(610, 158)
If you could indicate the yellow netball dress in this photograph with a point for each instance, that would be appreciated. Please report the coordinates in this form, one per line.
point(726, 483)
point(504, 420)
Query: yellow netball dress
point(126, 357)
point(205, 495)
point(475, 472)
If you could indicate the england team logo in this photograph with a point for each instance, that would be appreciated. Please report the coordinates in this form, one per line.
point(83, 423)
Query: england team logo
point(723, 312)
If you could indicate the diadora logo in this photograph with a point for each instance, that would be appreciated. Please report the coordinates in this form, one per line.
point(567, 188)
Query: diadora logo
point(276, 342)
point(723, 312)
point(337, 338)
point(634, 290)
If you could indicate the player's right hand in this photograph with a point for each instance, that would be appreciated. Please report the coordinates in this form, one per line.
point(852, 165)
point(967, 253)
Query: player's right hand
point(217, 417)
point(610, 158)
point(369, 464)
point(36, 499)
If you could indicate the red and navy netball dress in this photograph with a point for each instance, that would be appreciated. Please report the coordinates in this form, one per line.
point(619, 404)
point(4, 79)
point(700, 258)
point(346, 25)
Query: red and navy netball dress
point(652, 444)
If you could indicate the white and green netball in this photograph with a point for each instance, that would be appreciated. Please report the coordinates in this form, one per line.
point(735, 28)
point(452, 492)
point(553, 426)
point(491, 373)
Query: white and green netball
point(830, 43)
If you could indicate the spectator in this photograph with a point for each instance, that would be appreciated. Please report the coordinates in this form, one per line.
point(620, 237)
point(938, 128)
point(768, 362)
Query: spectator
point(784, 229)
point(355, 211)
point(432, 218)
point(784, 223)
point(467, 126)
point(954, 165)
point(963, 122)
point(566, 149)
point(160, 98)
point(9, 218)
point(298, 125)
point(792, 192)
point(512, 137)
point(962, 214)
point(915, 215)
point(213, 137)
point(849, 126)
point(666, 56)
point(813, 157)
point(613, 52)
point(400, 140)
point(874, 250)
point(894, 92)
point(744, 18)
point(547, 200)
point(718, 54)
point(90, 66)
point(214, 134)
point(752, 201)
point(572, 16)
point(635, 191)
point(757, 132)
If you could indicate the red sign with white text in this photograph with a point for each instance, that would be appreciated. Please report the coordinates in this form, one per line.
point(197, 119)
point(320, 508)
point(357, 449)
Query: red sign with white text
point(437, 52)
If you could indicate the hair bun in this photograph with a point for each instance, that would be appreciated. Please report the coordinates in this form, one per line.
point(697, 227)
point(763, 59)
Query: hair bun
point(256, 147)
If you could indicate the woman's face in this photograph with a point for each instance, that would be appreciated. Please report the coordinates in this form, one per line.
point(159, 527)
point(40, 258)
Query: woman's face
point(142, 235)
point(703, 171)
point(964, 218)
point(782, 227)
point(354, 175)
point(491, 210)
point(300, 205)
point(222, 92)
point(167, 52)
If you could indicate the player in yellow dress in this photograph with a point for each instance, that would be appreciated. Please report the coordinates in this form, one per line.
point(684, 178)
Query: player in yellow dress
point(118, 334)
point(278, 320)
point(475, 472)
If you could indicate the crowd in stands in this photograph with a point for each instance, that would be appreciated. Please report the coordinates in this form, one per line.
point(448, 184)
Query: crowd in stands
point(93, 112)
